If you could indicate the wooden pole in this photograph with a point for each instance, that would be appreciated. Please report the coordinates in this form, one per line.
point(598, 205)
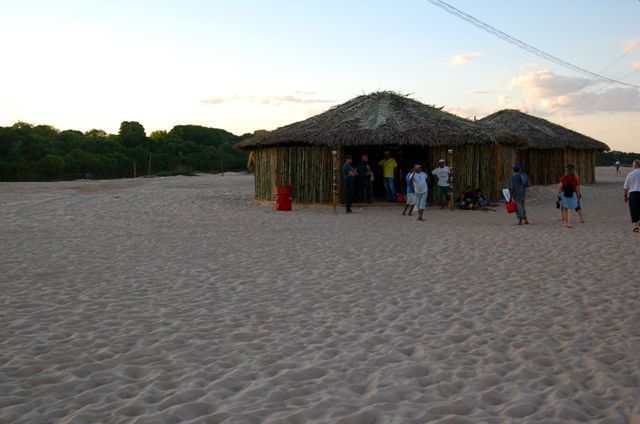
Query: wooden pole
point(134, 169)
point(450, 159)
point(149, 171)
point(334, 154)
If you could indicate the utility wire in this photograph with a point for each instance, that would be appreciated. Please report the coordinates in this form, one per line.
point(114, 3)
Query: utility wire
point(521, 44)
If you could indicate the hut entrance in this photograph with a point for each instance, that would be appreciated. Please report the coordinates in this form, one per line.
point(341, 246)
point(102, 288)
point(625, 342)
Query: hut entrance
point(406, 156)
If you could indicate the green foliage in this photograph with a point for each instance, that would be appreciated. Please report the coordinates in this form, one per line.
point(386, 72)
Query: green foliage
point(31, 152)
point(610, 158)
point(51, 166)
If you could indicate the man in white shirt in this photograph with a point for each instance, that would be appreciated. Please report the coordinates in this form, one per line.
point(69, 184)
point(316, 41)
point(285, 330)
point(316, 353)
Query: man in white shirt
point(442, 189)
point(632, 194)
point(421, 189)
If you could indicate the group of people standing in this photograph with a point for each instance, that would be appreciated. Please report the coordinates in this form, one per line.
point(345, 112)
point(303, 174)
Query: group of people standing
point(569, 191)
point(416, 179)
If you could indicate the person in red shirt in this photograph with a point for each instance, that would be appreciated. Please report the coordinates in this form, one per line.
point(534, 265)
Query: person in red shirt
point(569, 195)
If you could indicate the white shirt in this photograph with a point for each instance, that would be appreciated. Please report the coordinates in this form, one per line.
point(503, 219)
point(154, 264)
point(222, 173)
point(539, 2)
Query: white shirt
point(420, 182)
point(443, 176)
point(633, 180)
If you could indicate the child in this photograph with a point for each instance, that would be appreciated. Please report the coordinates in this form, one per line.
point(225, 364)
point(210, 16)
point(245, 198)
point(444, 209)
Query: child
point(411, 196)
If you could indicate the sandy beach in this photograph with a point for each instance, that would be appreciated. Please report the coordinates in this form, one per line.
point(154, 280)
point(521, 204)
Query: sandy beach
point(180, 299)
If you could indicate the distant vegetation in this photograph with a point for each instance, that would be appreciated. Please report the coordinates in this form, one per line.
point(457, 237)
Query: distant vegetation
point(610, 158)
point(41, 152)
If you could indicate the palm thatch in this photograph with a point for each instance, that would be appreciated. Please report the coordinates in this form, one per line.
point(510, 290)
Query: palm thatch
point(540, 133)
point(382, 118)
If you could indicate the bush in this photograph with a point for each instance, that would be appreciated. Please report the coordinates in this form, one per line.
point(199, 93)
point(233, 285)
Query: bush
point(50, 166)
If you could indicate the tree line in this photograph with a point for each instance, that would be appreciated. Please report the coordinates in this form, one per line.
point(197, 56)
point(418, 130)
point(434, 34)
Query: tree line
point(41, 152)
point(610, 158)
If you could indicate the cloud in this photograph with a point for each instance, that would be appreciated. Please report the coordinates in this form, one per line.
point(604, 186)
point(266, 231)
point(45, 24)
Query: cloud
point(280, 100)
point(268, 100)
point(219, 100)
point(461, 59)
point(636, 64)
point(544, 92)
point(305, 93)
point(632, 45)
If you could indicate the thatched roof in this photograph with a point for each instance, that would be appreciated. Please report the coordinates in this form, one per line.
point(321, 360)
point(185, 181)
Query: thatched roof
point(382, 118)
point(540, 133)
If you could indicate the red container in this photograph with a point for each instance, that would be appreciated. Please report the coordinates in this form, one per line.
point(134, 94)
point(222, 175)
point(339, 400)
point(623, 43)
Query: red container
point(283, 198)
point(511, 206)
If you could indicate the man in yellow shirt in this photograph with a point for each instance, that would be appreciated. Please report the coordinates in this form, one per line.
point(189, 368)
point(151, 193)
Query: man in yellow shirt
point(389, 165)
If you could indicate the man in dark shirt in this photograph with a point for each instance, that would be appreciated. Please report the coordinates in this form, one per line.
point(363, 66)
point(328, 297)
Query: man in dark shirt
point(348, 175)
point(364, 173)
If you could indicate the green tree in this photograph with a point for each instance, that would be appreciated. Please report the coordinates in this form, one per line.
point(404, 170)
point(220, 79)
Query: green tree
point(51, 166)
point(132, 134)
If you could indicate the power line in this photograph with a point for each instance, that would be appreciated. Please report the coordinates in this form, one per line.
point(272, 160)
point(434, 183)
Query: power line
point(521, 44)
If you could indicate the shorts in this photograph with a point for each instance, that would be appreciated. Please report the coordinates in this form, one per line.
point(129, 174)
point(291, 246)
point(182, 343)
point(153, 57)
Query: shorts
point(442, 191)
point(569, 202)
point(421, 201)
point(411, 199)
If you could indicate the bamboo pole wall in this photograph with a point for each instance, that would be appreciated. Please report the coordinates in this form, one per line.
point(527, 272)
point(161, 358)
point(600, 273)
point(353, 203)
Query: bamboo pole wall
point(484, 166)
point(307, 169)
point(548, 166)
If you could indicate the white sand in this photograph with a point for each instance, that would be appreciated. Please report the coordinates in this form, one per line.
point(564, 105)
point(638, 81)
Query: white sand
point(181, 300)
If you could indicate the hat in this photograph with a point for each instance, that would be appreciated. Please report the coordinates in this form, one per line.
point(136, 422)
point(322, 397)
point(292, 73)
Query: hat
point(417, 165)
point(570, 165)
point(441, 160)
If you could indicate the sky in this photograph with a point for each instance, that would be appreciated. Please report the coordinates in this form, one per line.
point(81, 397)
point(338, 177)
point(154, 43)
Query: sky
point(244, 65)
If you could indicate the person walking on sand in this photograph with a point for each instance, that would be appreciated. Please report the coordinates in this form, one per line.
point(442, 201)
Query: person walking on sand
point(618, 167)
point(570, 195)
point(570, 178)
point(389, 165)
point(348, 175)
point(632, 194)
point(442, 189)
point(364, 171)
point(518, 184)
point(421, 189)
point(411, 195)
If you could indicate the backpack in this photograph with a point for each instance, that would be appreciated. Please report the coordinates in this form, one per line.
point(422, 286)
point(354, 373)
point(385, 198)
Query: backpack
point(568, 188)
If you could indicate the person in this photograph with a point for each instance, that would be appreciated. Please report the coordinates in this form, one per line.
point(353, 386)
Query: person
point(364, 171)
point(467, 198)
point(411, 195)
point(421, 189)
point(632, 194)
point(518, 184)
point(348, 175)
point(569, 193)
point(389, 165)
point(479, 200)
point(618, 167)
point(442, 189)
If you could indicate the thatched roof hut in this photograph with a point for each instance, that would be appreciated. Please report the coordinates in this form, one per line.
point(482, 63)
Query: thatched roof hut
point(549, 146)
point(299, 154)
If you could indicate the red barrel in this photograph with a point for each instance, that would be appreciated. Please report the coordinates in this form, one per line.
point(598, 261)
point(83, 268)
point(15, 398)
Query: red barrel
point(283, 198)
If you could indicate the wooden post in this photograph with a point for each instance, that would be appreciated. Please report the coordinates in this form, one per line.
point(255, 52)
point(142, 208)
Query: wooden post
point(134, 169)
point(334, 154)
point(450, 158)
point(149, 171)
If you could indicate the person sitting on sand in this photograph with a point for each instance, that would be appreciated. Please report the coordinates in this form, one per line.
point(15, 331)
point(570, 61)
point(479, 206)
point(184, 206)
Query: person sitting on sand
point(569, 192)
point(480, 201)
point(632, 194)
point(411, 195)
point(467, 198)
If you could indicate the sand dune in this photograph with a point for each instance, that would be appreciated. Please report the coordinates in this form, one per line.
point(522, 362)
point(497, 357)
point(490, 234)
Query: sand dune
point(181, 300)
